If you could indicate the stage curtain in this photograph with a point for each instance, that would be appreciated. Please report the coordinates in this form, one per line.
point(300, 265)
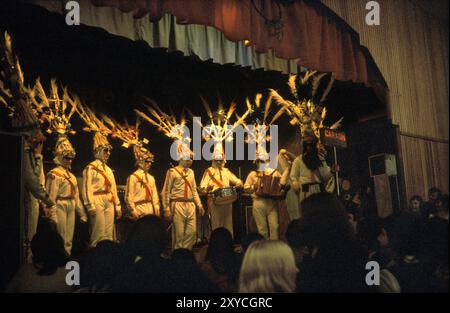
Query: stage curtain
point(206, 42)
point(311, 34)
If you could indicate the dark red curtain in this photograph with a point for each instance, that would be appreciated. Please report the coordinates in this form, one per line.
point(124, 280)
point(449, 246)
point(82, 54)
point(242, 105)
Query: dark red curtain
point(312, 34)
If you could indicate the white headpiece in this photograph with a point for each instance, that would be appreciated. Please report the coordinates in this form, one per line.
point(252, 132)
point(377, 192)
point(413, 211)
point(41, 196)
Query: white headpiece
point(170, 127)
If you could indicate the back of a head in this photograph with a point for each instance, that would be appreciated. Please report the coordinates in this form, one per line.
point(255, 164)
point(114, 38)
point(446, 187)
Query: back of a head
point(220, 244)
point(434, 190)
point(368, 232)
point(48, 251)
point(294, 234)
point(46, 225)
point(324, 221)
point(101, 264)
point(268, 266)
point(147, 237)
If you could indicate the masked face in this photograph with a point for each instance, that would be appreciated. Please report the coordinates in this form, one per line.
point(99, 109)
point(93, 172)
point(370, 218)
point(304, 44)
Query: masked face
point(103, 153)
point(185, 163)
point(310, 148)
point(262, 165)
point(145, 165)
point(67, 161)
point(218, 163)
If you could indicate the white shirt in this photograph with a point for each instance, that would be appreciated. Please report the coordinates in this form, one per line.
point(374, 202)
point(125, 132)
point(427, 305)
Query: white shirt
point(62, 185)
point(180, 184)
point(98, 177)
point(141, 187)
point(303, 175)
point(215, 178)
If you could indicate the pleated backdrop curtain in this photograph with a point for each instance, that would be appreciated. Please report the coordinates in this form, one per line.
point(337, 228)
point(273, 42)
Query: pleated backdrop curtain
point(311, 36)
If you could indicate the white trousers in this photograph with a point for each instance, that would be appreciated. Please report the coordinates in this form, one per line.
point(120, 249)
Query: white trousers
point(222, 216)
point(64, 217)
point(102, 225)
point(292, 205)
point(145, 209)
point(32, 207)
point(184, 229)
point(265, 213)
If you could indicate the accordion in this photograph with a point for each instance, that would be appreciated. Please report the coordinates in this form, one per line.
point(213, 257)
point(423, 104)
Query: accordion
point(268, 186)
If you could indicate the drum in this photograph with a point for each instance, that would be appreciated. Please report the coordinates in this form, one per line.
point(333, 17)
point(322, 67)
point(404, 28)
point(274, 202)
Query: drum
point(224, 196)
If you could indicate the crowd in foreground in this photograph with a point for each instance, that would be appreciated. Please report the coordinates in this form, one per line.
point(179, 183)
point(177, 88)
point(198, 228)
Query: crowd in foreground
point(327, 251)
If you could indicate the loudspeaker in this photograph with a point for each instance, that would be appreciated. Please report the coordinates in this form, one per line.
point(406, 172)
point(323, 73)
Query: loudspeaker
point(383, 170)
point(382, 164)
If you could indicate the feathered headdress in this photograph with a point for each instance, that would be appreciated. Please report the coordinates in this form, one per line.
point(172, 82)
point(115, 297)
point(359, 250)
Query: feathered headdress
point(14, 95)
point(54, 112)
point(129, 135)
point(221, 125)
point(169, 126)
point(95, 125)
point(258, 127)
point(310, 90)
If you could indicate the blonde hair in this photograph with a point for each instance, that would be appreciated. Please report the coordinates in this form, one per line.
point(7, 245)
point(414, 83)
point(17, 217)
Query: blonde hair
point(268, 266)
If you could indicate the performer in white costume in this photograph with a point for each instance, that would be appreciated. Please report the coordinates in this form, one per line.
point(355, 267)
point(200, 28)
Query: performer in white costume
point(141, 194)
point(179, 195)
point(17, 98)
point(266, 199)
point(61, 184)
point(216, 177)
point(99, 190)
point(180, 198)
point(265, 184)
point(217, 180)
point(63, 189)
point(285, 160)
point(309, 173)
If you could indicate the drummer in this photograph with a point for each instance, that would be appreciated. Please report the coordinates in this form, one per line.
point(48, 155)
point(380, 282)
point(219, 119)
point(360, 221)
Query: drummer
point(216, 177)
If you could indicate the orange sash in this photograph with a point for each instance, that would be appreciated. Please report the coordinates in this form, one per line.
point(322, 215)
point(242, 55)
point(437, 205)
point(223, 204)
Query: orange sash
point(61, 175)
point(148, 194)
point(108, 184)
point(217, 182)
point(187, 184)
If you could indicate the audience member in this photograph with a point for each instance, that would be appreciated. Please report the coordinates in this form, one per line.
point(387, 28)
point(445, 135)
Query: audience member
point(375, 238)
point(100, 266)
point(221, 262)
point(336, 262)
point(47, 273)
point(429, 207)
point(268, 266)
